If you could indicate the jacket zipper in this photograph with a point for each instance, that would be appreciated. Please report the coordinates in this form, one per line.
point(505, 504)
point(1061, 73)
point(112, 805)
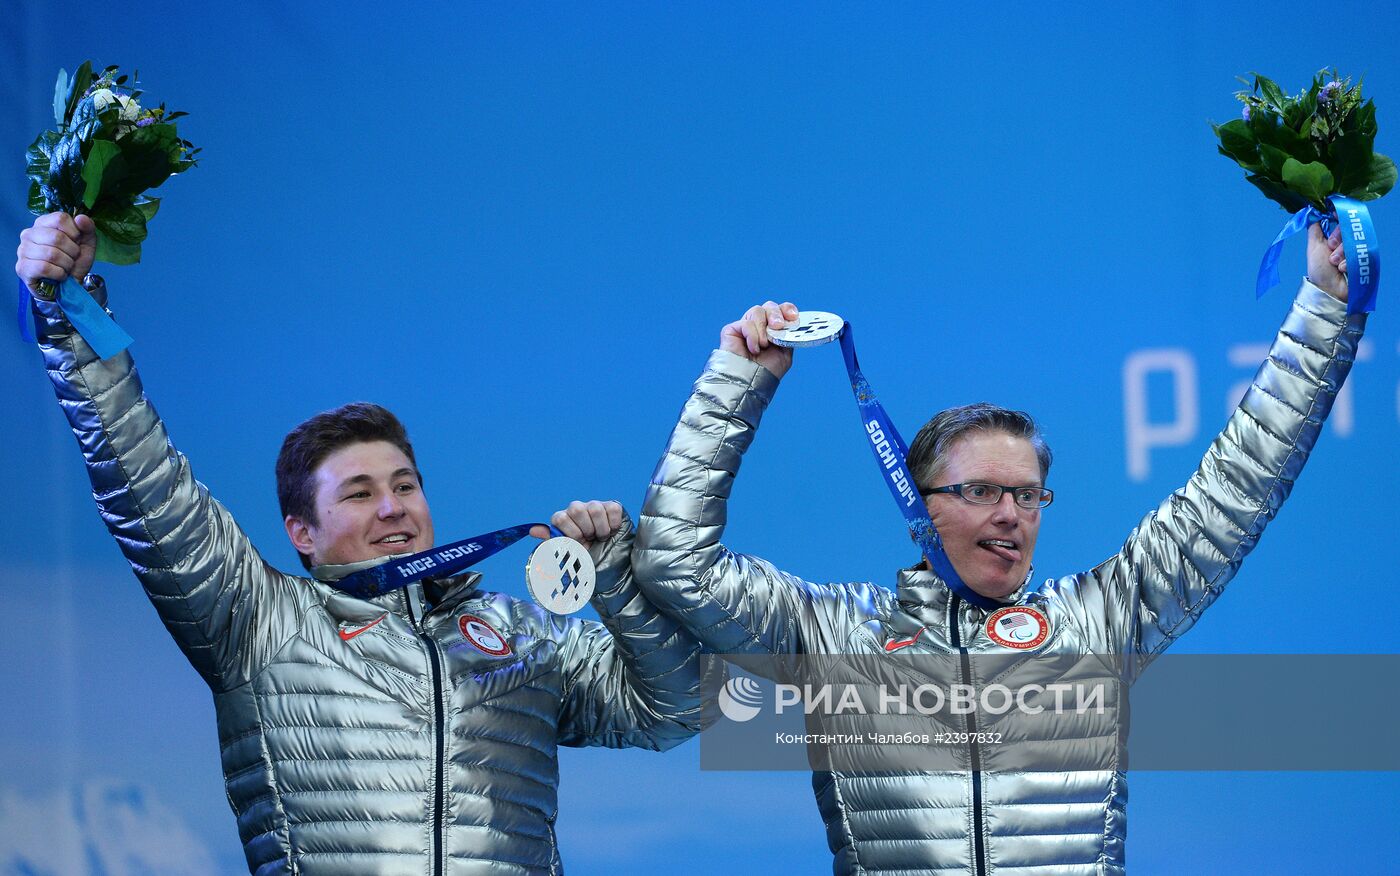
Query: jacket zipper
point(974, 753)
point(439, 758)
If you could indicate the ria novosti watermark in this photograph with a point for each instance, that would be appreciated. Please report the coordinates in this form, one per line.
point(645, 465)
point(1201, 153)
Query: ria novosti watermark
point(925, 699)
point(1025, 713)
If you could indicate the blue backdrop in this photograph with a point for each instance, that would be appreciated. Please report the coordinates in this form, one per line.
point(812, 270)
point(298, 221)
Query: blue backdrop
point(522, 226)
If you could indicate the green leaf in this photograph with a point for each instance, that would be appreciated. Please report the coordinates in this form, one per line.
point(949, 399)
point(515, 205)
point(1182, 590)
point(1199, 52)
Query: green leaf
point(66, 173)
point(60, 97)
point(150, 155)
point(1271, 92)
point(1273, 159)
point(114, 253)
point(1248, 168)
point(1382, 177)
point(1365, 118)
point(1270, 129)
point(1311, 180)
point(1237, 141)
point(38, 204)
point(37, 156)
point(1351, 162)
point(1308, 102)
point(84, 119)
point(126, 225)
point(1289, 200)
point(149, 207)
point(81, 80)
point(100, 154)
point(119, 234)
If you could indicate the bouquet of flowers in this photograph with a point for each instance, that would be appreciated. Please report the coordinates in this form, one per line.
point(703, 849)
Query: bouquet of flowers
point(106, 152)
point(1313, 153)
point(1301, 149)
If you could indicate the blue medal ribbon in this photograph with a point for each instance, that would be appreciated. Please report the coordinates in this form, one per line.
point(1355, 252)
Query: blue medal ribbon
point(102, 333)
point(1363, 250)
point(25, 317)
point(1268, 267)
point(438, 562)
point(890, 452)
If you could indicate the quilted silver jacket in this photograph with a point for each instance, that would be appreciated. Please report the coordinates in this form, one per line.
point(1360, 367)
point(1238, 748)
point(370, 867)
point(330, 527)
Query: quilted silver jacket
point(374, 736)
point(1135, 604)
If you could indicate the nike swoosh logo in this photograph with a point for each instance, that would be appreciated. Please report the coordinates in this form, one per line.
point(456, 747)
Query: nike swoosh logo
point(347, 635)
point(896, 644)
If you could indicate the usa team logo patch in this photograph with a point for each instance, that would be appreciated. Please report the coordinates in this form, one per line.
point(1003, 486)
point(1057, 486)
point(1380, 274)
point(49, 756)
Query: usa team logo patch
point(1018, 626)
point(483, 636)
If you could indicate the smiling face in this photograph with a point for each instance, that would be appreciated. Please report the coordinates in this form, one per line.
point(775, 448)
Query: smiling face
point(369, 503)
point(990, 546)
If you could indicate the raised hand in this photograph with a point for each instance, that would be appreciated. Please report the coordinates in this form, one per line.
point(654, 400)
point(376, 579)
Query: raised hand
point(57, 246)
point(585, 522)
point(1327, 262)
point(748, 336)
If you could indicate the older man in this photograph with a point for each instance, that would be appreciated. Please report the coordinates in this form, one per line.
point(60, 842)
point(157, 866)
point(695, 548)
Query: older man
point(982, 470)
point(414, 732)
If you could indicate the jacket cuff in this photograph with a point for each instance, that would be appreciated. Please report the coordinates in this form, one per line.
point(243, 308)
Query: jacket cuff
point(1325, 305)
point(612, 561)
point(51, 323)
point(739, 385)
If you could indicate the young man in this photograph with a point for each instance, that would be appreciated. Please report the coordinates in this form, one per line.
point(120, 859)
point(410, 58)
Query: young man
point(414, 732)
point(982, 472)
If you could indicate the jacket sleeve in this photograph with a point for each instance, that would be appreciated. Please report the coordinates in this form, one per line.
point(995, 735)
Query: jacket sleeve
point(1180, 557)
point(735, 604)
point(226, 608)
point(637, 679)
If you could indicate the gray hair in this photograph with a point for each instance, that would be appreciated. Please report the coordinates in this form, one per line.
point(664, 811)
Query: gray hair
point(927, 453)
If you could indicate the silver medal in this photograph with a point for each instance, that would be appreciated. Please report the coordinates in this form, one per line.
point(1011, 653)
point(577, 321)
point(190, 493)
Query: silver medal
point(560, 575)
point(813, 328)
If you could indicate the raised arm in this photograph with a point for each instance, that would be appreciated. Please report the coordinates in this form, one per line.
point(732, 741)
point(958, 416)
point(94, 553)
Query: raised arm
point(734, 603)
point(637, 679)
point(212, 590)
point(1180, 557)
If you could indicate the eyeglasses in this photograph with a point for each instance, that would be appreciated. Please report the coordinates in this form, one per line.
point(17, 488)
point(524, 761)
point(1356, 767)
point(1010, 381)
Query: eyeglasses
point(1029, 498)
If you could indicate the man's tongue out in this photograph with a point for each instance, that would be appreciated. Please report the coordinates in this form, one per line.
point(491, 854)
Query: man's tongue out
point(1002, 548)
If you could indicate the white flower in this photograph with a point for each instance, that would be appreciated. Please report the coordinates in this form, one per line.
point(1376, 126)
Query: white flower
point(103, 97)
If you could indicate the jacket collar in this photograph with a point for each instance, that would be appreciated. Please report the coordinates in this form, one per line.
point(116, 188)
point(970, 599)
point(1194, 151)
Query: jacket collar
point(332, 572)
point(924, 594)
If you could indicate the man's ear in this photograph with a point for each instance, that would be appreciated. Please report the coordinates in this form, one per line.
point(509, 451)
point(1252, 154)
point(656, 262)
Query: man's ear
point(299, 532)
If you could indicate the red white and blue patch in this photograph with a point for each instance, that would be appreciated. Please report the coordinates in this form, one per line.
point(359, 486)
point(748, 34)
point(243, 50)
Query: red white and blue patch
point(1018, 626)
point(483, 636)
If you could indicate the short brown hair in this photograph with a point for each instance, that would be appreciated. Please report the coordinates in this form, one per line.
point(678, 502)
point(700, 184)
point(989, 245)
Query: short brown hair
point(938, 435)
point(308, 445)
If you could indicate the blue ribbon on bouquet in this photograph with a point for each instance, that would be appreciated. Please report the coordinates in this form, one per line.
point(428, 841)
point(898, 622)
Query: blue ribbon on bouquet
point(890, 454)
point(102, 333)
point(438, 562)
point(1359, 242)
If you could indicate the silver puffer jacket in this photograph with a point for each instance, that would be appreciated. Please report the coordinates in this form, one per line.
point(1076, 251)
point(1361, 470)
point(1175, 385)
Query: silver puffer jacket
point(1170, 569)
point(374, 736)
